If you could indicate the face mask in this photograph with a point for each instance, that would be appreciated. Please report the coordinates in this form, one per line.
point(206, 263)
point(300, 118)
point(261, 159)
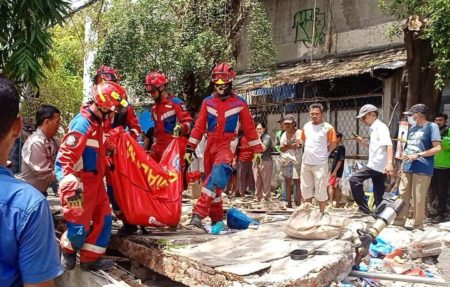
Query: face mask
point(412, 121)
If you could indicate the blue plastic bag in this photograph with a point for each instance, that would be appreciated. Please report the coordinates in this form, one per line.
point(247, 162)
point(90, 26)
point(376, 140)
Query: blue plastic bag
point(382, 247)
point(238, 220)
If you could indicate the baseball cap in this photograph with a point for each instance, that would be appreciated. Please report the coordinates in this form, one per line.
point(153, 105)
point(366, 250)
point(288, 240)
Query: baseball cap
point(288, 119)
point(417, 108)
point(365, 110)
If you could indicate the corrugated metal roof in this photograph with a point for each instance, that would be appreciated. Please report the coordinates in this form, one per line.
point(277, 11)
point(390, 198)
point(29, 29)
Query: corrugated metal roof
point(323, 69)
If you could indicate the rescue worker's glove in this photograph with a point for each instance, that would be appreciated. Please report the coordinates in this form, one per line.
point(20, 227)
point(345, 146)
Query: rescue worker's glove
point(71, 191)
point(134, 133)
point(257, 158)
point(191, 152)
point(177, 130)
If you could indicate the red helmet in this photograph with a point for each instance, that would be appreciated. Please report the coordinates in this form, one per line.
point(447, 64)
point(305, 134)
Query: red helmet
point(109, 95)
point(106, 73)
point(223, 74)
point(154, 80)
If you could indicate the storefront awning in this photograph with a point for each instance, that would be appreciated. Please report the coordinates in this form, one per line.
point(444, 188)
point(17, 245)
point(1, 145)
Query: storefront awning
point(323, 69)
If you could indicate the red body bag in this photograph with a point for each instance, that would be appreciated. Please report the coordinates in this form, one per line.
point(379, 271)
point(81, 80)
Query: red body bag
point(148, 193)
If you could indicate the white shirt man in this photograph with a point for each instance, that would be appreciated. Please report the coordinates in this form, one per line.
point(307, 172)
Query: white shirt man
point(380, 158)
point(319, 139)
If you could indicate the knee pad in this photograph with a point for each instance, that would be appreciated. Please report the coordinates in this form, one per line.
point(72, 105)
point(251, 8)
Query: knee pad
point(103, 238)
point(219, 176)
point(76, 235)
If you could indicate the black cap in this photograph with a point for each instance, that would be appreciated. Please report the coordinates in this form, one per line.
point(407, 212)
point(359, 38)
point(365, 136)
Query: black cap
point(417, 108)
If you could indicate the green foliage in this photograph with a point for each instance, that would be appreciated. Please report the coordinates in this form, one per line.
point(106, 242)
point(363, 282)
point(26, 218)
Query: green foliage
point(62, 84)
point(182, 38)
point(24, 37)
point(259, 31)
point(436, 29)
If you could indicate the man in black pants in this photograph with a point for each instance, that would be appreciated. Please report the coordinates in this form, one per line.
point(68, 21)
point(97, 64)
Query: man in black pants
point(380, 158)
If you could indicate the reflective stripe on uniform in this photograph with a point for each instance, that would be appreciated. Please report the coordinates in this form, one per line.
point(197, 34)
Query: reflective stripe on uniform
point(92, 143)
point(211, 111)
point(193, 141)
point(233, 111)
point(254, 142)
point(168, 114)
point(93, 248)
point(208, 192)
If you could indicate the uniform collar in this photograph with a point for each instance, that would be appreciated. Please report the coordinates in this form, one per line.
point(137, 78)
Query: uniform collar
point(90, 116)
point(216, 96)
point(6, 171)
point(167, 99)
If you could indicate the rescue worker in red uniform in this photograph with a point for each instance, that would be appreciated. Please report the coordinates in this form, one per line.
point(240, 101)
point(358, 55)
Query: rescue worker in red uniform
point(169, 113)
point(221, 116)
point(125, 117)
point(80, 168)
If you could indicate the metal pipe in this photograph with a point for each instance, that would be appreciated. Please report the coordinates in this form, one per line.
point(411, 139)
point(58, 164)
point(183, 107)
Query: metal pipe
point(397, 277)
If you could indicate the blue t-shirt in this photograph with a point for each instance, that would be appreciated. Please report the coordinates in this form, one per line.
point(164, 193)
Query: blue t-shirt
point(28, 247)
point(421, 138)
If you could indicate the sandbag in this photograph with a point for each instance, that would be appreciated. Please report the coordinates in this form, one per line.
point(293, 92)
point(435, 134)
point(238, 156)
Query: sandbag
point(308, 223)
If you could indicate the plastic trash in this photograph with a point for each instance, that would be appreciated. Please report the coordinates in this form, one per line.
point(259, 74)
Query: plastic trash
point(363, 267)
point(217, 228)
point(238, 220)
point(381, 248)
point(376, 263)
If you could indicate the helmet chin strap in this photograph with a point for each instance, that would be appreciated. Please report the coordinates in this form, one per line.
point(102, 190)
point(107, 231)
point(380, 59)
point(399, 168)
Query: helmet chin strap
point(158, 99)
point(104, 114)
point(226, 92)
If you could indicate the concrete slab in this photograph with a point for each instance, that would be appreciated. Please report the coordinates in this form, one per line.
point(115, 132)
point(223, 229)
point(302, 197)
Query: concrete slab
point(247, 258)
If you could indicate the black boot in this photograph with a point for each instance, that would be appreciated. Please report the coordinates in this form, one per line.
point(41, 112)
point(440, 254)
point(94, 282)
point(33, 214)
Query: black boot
point(68, 260)
point(196, 221)
point(127, 229)
point(101, 264)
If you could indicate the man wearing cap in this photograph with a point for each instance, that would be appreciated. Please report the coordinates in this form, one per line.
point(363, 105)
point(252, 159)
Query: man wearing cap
point(423, 142)
point(380, 158)
point(319, 138)
point(291, 159)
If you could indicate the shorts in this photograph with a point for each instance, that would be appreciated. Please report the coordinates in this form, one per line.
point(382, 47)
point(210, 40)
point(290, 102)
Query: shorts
point(291, 170)
point(314, 180)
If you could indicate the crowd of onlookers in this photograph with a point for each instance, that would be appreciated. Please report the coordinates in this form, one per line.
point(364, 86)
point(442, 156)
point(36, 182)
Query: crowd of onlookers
point(311, 160)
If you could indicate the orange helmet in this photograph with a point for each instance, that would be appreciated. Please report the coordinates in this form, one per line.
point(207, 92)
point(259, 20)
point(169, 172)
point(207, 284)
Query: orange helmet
point(223, 74)
point(109, 95)
point(106, 73)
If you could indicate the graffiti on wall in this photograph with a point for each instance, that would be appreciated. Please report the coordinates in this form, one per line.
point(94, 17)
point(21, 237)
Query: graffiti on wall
point(303, 24)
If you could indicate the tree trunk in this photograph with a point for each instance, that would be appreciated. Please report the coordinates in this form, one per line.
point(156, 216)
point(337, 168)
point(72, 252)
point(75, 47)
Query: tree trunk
point(193, 102)
point(421, 76)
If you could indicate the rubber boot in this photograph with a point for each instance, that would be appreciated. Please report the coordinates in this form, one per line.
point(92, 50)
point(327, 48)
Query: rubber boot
point(68, 260)
point(101, 264)
point(127, 229)
point(196, 221)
